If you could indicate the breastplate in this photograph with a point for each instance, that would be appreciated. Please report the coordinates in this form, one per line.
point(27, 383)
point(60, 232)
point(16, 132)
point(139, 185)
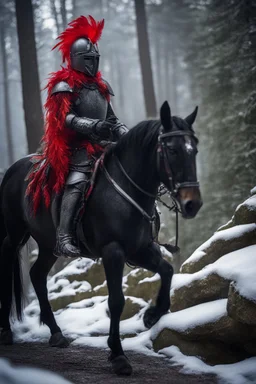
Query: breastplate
point(90, 103)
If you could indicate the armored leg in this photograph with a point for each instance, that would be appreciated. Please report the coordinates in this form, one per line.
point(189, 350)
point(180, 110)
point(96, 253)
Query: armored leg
point(71, 206)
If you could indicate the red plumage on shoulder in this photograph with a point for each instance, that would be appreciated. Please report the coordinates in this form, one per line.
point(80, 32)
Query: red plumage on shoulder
point(81, 27)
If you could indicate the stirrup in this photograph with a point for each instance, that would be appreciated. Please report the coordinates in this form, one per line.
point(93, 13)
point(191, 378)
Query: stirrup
point(65, 246)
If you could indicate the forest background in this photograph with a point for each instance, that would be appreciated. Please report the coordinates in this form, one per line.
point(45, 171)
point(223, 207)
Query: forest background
point(189, 52)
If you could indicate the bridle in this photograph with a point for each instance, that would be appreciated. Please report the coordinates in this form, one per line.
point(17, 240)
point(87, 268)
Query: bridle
point(161, 155)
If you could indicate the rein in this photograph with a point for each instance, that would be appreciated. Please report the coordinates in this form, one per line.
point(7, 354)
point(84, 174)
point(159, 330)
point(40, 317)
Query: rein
point(126, 196)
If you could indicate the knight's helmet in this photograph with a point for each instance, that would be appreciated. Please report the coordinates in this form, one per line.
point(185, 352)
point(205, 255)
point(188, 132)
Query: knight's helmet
point(84, 56)
point(78, 44)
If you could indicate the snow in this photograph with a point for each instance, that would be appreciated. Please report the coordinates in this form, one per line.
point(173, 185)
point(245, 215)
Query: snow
point(243, 372)
point(86, 323)
point(239, 266)
point(75, 267)
point(250, 203)
point(225, 234)
point(24, 375)
point(191, 317)
point(253, 191)
point(152, 279)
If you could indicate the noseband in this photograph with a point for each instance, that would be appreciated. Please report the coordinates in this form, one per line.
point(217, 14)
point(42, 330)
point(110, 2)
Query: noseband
point(162, 155)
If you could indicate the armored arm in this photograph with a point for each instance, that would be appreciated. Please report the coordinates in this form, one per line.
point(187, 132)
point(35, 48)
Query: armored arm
point(93, 129)
point(118, 129)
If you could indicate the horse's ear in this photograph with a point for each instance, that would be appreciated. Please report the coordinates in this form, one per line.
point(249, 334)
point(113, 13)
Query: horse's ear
point(165, 115)
point(190, 119)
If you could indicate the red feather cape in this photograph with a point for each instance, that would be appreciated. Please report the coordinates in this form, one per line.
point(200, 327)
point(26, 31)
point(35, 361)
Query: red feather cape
point(50, 176)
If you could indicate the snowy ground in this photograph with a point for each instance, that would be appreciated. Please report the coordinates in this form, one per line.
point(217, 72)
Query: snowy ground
point(87, 323)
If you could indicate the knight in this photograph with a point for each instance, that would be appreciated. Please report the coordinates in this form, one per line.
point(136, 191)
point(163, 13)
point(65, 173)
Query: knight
point(79, 120)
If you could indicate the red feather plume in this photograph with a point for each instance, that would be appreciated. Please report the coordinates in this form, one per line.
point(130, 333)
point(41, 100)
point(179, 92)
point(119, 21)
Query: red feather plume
point(81, 27)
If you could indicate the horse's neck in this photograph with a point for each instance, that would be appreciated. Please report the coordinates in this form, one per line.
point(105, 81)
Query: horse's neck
point(142, 170)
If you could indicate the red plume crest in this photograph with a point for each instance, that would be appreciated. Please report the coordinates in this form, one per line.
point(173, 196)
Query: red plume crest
point(80, 27)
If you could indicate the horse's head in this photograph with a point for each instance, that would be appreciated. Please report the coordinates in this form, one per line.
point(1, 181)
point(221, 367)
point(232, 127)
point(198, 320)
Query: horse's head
point(177, 149)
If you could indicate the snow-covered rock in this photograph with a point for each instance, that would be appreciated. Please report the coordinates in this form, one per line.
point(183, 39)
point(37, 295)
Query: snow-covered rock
point(214, 296)
point(221, 243)
point(240, 307)
point(212, 282)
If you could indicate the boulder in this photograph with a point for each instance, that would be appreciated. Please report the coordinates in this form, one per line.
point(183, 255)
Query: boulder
point(134, 285)
point(240, 308)
point(211, 351)
point(224, 329)
point(211, 288)
point(130, 309)
point(246, 212)
point(220, 247)
point(63, 301)
point(95, 274)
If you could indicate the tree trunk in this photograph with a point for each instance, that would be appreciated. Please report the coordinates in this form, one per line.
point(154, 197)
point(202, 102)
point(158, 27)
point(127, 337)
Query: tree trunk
point(173, 84)
point(63, 12)
point(75, 11)
point(29, 73)
point(145, 60)
point(55, 14)
point(6, 98)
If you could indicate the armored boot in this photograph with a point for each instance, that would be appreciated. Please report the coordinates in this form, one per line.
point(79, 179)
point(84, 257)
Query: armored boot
point(71, 206)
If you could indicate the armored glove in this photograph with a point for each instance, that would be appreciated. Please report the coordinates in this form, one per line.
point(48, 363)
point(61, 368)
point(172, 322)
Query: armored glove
point(94, 129)
point(118, 129)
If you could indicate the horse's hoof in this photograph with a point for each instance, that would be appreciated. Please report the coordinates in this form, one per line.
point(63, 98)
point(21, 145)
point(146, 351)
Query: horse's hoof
point(58, 340)
point(6, 337)
point(151, 316)
point(121, 366)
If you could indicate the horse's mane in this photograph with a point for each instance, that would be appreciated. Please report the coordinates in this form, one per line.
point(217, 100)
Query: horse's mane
point(143, 136)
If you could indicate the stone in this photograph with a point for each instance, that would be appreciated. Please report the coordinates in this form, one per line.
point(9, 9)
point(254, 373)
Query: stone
point(220, 248)
point(147, 290)
point(130, 309)
point(224, 329)
point(228, 225)
point(95, 275)
point(210, 351)
point(240, 308)
point(62, 302)
point(246, 212)
point(200, 291)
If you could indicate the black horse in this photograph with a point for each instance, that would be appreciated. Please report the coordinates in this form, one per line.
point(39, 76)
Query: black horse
point(116, 223)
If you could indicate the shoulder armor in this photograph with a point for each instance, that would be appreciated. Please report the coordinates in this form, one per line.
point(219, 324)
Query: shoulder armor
point(62, 86)
point(110, 90)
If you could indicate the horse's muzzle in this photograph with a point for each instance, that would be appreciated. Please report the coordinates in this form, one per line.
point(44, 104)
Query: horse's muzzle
point(190, 202)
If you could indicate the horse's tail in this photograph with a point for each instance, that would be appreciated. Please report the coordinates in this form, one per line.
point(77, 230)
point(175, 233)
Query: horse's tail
point(3, 234)
point(9, 264)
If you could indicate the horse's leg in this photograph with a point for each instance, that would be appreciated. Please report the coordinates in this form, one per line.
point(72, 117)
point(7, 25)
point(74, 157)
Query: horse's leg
point(10, 274)
point(113, 261)
point(151, 258)
point(38, 274)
